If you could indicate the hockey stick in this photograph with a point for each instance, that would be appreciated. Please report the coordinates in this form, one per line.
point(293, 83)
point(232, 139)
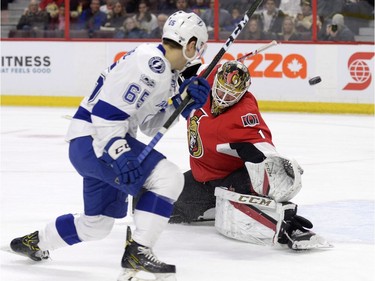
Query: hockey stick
point(206, 73)
point(260, 49)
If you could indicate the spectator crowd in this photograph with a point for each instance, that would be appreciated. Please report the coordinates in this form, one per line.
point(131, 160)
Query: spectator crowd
point(283, 20)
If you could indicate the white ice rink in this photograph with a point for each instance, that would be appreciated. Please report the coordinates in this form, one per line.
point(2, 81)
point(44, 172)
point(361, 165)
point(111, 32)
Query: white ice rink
point(38, 184)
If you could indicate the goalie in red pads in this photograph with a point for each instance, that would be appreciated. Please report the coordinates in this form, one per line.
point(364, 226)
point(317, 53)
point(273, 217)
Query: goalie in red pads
point(231, 150)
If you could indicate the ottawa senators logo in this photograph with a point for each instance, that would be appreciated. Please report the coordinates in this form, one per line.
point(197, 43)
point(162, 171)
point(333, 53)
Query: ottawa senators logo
point(195, 142)
point(250, 120)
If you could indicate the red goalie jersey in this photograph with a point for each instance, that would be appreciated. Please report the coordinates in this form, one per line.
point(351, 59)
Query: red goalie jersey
point(240, 123)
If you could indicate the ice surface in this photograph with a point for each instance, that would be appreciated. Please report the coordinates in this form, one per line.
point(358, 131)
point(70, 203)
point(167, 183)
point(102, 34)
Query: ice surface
point(38, 183)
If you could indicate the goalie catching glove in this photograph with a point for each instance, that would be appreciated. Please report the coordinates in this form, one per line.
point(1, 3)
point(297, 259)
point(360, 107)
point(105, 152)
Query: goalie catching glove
point(276, 177)
point(118, 155)
point(198, 89)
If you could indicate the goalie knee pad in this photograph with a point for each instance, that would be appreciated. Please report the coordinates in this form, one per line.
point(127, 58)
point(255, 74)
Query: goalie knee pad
point(250, 218)
point(276, 177)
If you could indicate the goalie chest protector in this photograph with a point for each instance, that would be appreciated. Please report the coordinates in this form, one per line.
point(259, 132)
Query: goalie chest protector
point(241, 122)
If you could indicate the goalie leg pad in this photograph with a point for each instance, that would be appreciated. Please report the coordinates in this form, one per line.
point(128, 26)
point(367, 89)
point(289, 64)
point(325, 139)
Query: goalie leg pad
point(276, 177)
point(249, 222)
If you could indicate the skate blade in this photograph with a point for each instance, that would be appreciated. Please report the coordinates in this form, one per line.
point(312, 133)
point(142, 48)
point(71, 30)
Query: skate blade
point(315, 242)
point(9, 250)
point(136, 275)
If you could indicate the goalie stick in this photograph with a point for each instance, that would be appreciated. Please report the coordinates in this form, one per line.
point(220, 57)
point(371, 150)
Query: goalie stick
point(207, 72)
point(260, 49)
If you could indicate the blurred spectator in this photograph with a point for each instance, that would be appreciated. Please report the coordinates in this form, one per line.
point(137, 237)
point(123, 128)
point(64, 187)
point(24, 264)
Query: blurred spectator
point(199, 7)
point(116, 17)
point(167, 7)
point(158, 32)
point(130, 30)
point(61, 18)
point(33, 18)
point(254, 31)
point(51, 7)
point(228, 4)
point(290, 7)
point(358, 13)
point(183, 5)
point(145, 19)
point(236, 18)
point(58, 23)
point(289, 33)
point(241, 5)
point(271, 17)
point(327, 8)
point(43, 5)
point(53, 11)
point(153, 6)
point(304, 21)
point(338, 31)
point(131, 6)
point(77, 6)
point(224, 17)
point(92, 18)
point(107, 7)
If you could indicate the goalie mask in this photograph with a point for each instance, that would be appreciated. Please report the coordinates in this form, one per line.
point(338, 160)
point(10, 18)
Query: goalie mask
point(231, 82)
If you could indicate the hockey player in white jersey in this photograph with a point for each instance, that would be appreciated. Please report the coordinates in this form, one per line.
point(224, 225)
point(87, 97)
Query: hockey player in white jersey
point(132, 93)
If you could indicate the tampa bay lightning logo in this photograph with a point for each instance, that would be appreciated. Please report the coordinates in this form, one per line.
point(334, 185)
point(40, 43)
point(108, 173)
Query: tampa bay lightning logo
point(156, 64)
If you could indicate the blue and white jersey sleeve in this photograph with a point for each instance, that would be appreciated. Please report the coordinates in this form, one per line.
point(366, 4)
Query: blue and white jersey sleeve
point(151, 126)
point(132, 92)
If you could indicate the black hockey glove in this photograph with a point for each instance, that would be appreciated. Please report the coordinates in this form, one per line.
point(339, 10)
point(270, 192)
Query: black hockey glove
point(292, 224)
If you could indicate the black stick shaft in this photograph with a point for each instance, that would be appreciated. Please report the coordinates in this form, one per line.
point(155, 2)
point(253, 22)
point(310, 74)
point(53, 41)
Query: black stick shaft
point(206, 73)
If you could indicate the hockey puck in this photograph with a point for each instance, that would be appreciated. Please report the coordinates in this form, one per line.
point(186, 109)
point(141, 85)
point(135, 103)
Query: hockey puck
point(315, 80)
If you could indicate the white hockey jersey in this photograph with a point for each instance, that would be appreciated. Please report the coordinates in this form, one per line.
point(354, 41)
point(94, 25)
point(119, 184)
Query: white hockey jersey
point(133, 92)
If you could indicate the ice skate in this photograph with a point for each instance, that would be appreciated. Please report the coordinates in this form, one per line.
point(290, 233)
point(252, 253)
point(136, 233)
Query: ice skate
point(300, 240)
point(140, 264)
point(298, 237)
point(28, 246)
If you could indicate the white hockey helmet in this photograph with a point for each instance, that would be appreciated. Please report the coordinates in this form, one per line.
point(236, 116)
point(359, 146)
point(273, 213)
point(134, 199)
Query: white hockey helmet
point(180, 27)
point(231, 82)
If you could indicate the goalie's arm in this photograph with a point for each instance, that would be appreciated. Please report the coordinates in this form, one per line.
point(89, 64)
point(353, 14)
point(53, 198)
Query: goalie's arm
point(248, 152)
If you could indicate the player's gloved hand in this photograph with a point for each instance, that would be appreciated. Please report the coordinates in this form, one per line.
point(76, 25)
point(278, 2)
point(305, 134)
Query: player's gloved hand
point(198, 89)
point(118, 154)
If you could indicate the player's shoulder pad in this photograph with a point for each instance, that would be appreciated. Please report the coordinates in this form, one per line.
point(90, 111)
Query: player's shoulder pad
point(152, 60)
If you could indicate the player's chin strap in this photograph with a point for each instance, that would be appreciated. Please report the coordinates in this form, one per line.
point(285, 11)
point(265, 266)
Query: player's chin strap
point(196, 58)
